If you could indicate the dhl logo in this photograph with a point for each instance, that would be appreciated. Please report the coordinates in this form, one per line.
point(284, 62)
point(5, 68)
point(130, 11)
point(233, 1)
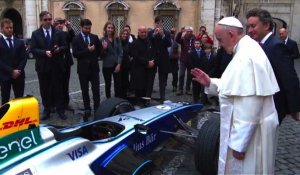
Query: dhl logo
point(17, 123)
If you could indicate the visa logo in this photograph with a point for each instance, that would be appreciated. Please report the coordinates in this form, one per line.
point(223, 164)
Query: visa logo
point(77, 153)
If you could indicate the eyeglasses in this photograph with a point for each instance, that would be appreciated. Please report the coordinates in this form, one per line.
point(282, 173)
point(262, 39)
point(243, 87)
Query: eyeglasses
point(47, 19)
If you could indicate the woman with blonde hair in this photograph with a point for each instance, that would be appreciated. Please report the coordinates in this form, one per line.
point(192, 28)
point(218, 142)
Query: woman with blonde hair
point(111, 55)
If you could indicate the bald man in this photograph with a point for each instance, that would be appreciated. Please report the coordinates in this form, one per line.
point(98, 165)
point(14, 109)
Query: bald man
point(143, 65)
point(248, 116)
point(291, 44)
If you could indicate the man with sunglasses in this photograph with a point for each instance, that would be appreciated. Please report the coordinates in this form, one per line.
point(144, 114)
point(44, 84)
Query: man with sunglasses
point(48, 47)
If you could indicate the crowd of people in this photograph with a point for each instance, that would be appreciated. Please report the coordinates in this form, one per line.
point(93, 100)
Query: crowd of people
point(254, 70)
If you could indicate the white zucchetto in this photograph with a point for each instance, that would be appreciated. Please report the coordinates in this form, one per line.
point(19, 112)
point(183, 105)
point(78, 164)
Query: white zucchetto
point(231, 21)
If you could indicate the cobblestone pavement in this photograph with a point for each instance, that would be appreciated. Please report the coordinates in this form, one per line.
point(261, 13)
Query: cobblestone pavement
point(288, 152)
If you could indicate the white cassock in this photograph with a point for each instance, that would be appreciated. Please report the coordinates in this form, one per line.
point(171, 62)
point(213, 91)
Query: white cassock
point(249, 121)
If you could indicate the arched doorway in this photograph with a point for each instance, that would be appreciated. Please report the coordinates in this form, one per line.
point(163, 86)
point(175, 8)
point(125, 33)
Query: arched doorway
point(278, 24)
point(15, 16)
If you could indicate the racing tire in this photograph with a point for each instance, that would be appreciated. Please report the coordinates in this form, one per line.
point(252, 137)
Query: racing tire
point(113, 106)
point(207, 147)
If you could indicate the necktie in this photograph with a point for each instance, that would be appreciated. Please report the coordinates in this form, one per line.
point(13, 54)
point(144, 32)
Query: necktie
point(86, 40)
point(198, 53)
point(48, 38)
point(10, 43)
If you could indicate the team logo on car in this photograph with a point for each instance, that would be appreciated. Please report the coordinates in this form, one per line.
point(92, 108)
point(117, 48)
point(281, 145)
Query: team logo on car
point(17, 123)
point(77, 153)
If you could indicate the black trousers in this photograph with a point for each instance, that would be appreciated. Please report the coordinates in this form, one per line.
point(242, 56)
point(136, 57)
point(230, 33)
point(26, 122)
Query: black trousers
point(108, 73)
point(162, 80)
point(148, 85)
point(124, 82)
point(51, 89)
point(65, 81)
point(198, 90)
point(174, 71)
point(84, 80)
point(18, 86)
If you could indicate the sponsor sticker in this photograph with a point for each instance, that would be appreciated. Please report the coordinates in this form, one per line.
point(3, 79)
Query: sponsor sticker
point(19, 143)
point(165, 107)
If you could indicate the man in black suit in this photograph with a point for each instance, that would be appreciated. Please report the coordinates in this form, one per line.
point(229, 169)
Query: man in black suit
point(48, 46)
point(287, 100)
point(86, 48)
point(59, 24)
point(291, 44)
point(143, 66)
point(13, 59)
point(160, 41)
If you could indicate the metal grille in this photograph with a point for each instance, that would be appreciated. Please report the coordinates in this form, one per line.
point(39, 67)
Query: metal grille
point(119, 22)
point(169, 22)
point(75, 23)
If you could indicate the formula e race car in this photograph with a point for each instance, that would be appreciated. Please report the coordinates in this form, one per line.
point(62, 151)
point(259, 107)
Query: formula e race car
point(109, 145)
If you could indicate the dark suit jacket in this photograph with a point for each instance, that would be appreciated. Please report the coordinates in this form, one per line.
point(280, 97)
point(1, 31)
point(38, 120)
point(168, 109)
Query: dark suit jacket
point(87, 61)
point(202, 62)
point(12, 59)
point(293, 48)
point(160, 47)
point(287, 100)
point(69, 35)
point(142, 53)
point(39, 47)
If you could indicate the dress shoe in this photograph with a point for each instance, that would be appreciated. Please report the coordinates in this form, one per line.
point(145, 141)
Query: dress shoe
point(179, 92)
point(188, 92)
point(296, 117)
point(86, 115)
point(62, 116)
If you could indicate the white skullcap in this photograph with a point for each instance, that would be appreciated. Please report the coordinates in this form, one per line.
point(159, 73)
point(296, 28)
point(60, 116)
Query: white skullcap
point(188, 28)
point(231, 21)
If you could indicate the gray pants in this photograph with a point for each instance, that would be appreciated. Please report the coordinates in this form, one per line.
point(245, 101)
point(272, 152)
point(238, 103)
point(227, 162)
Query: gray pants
point(182, 69)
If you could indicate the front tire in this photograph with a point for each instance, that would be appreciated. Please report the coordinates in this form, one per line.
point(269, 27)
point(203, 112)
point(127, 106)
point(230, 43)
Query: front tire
point(113, 106)
point(207, 147)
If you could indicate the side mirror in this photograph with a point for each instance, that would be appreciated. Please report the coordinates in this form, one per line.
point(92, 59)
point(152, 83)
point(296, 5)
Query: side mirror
point(142, 129)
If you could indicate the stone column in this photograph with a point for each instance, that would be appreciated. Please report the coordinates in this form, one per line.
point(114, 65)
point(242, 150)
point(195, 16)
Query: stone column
point(45, 5)
point(207, 11)
point(31, 20)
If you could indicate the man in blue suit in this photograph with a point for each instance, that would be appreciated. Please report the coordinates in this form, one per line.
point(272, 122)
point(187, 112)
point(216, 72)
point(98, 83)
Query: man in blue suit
point(291, 44)
point(287, 100)
point(48, 46)
point(12, 62)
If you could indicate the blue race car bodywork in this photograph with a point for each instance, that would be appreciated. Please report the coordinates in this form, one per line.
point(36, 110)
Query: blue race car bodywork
point(113, 145)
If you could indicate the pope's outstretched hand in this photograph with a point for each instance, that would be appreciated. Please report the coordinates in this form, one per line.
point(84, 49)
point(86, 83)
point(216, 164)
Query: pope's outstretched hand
point(200, 76)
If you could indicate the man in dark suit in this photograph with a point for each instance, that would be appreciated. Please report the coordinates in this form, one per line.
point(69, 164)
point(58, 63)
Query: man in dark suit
point(197, 59)
point(13, 59)
point(86, 48)
point(291, 44)
point(160, 41)
point(143, 66)
point(48, 46)
point(287, 100)
point(59, 24)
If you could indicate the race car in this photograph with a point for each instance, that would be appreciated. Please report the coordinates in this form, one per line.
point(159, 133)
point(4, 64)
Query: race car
point(109, 145)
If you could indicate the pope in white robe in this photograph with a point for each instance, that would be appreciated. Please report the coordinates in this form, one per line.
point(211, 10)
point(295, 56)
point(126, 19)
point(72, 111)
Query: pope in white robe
point(249, 119)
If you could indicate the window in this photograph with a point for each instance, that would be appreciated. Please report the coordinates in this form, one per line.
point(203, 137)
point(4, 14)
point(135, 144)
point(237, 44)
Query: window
point(75, 23)
point(119, 22)
point(117, 13)
point(169, 11)
point(74, 11)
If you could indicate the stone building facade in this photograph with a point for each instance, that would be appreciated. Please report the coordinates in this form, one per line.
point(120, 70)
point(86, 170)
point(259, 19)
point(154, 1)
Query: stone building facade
point(176, 13)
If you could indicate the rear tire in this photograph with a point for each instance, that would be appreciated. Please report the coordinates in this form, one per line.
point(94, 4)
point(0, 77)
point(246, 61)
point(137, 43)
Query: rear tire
point(207, 147)
point(113, 106)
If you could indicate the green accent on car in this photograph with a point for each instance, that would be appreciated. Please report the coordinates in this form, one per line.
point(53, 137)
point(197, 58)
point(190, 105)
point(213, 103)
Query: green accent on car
point(18, 143)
